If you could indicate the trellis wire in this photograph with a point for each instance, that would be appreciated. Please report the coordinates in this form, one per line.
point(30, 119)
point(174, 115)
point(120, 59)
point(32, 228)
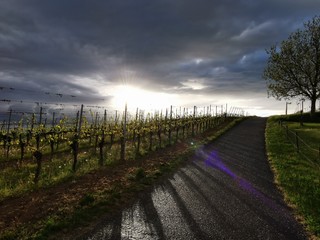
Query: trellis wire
point(311, 154)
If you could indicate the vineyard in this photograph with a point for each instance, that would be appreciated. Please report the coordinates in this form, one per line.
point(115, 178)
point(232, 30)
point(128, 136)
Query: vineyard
point(35, 153)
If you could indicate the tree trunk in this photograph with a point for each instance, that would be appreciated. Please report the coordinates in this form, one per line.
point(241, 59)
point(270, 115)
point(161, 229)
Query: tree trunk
point(313, 106)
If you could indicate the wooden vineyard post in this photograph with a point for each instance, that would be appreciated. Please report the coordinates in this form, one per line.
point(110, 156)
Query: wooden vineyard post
point(193, 120)
point(150, 139)
point(101, 143)
point(96, 132)
point(176, 125)
point(208, 117)
point(226, 113)
point(111, 133)
point(76, 122)
point(159, 128)
point(38, 141)
point(80, 118)
point(51, 142)
point(22, 145)
point(39, 129)
point(138, 139)
point(123, 137)
point(170, 123)
point(135, 125)
point(297, 141)
point(75, 141)
point(9, 122)
point(40, 117)
point(211, 118)
point(166, 122)
point(183, 123)
point(136, 133)
point(7, 141)
point(32, 122)
point(38, 156)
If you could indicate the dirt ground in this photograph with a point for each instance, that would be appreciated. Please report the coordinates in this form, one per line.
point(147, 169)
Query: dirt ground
point(30, 208)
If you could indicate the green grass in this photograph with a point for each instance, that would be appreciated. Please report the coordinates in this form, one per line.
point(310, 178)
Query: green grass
point(298, 178)
point(15, 181)
point(310, 132)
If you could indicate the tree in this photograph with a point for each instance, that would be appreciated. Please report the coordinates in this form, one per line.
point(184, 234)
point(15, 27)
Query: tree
point(294, 69)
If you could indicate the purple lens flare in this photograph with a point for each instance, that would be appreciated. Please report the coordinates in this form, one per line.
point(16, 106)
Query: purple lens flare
point(212, 159)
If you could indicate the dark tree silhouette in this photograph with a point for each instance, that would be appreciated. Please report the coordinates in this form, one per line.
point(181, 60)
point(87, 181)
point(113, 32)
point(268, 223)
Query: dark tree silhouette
point(293, 69)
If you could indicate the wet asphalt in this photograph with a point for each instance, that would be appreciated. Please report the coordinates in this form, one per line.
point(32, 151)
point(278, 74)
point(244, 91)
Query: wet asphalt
point(226, 192)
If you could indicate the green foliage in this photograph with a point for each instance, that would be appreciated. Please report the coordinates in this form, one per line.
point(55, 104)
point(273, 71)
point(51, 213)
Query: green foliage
point(50, 225)
point(88, 199)
point(16, 181)
point(140, 174)
point(305, 117)
point(18, 145)
point(10, 235)
point(298, 178)
point(294, 69)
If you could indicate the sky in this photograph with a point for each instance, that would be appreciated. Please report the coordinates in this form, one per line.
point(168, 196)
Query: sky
point(150, 54)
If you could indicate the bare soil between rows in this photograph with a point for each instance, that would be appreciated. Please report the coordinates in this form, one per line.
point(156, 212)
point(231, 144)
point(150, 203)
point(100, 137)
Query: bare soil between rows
point(63, 199)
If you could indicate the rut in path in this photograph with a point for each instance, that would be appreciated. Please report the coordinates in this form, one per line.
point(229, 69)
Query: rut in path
point(225, 192)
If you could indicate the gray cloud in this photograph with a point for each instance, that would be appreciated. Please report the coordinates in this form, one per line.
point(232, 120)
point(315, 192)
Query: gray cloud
point(78, 45)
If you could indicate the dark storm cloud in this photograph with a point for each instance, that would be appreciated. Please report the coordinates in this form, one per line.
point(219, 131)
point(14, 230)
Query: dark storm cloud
point(168, 44)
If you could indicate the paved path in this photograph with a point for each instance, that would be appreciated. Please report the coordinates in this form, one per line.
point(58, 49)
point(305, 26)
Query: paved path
point(226, 192)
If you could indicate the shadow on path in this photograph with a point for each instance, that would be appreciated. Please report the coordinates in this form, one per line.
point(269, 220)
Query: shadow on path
point(226, 192)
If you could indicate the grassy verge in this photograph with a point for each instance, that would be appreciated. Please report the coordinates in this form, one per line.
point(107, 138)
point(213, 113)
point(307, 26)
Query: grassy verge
point(91, 207)
point(299, 179)
point(310, 132)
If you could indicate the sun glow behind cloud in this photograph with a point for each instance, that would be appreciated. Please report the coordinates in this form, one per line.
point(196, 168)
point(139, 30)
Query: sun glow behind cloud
point(136, 97)
point(216, 61)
